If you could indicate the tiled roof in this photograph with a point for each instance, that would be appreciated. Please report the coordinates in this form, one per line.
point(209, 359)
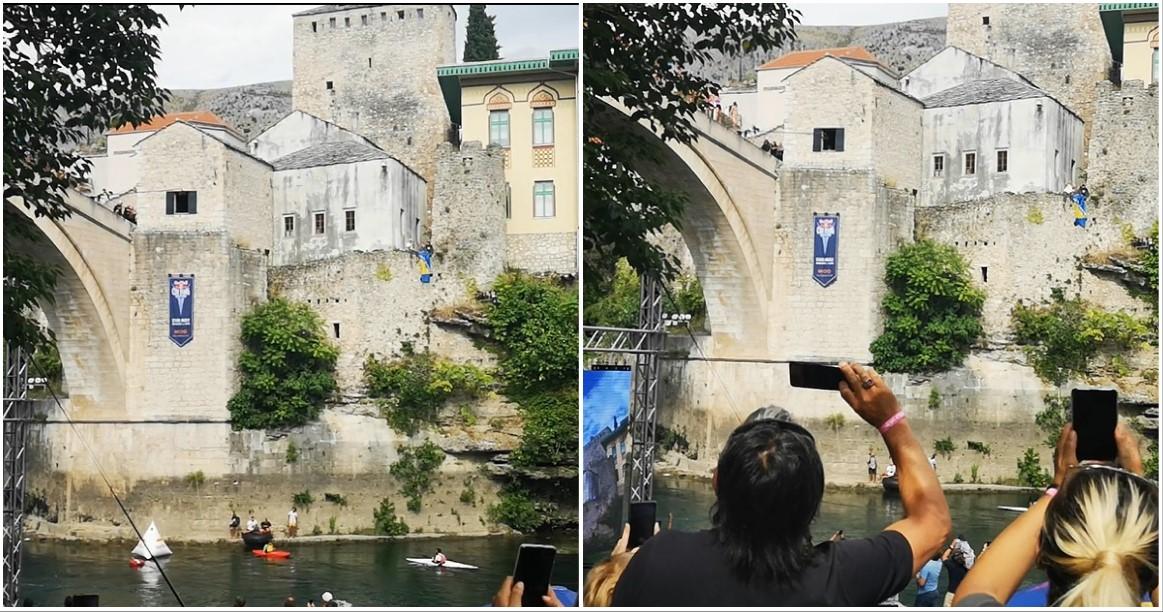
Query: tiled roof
point(327, 154)
point(799, 59)
point(161, 121)
point(979, 92)
point(333, 8)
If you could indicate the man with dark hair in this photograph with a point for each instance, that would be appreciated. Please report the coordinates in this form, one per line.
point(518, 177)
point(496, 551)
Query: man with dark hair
point(768, 485)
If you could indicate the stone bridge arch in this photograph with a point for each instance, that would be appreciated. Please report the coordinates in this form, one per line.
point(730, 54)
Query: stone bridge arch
point(732, 191)
point(91, 249)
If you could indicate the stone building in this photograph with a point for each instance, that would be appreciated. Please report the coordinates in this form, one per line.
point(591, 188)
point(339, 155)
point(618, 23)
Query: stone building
point(1132, 29)
point(1059, 47)
point(371, 68)
point(528, 109)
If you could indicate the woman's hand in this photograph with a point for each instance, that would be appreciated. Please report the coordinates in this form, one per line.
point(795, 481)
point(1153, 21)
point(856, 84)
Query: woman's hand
point(624, 541)
point(876, 403)
point(1066, 455)
point(509, 595)
point(1127, 444)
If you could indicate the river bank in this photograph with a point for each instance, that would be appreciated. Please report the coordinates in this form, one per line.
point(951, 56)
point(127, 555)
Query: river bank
point(675, 474)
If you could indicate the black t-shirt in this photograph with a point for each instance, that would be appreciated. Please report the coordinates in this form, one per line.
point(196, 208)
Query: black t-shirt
point(956, 573)
point(689, 569)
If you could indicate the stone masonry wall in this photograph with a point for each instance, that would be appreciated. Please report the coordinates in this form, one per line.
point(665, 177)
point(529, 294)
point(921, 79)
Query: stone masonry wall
point(248, 201)
point(381, 62)
point(554, 253)
point(468, 212)
point(1123, 177)
point(896, 127)
point(1061, 48)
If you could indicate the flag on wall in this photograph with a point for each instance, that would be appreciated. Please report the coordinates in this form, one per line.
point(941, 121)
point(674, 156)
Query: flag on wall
point(181, 309)
point(826, 241)
point(1079, 209)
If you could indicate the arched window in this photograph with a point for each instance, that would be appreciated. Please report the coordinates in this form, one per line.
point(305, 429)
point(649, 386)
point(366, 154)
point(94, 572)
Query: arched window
point(542, 103)
point(499, 105)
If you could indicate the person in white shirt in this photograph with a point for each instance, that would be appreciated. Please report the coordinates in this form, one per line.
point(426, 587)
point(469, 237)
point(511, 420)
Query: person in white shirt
point(871, 466)
point(293, 522)
point(440, 559)
point(890, 471)
point(933, 461)
point(251, 524)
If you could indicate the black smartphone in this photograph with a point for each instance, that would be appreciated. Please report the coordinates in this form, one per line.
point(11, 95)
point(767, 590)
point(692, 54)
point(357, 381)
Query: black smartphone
point(814, 375)
point(534, 567)
point(643, 515)
point(1095, 414)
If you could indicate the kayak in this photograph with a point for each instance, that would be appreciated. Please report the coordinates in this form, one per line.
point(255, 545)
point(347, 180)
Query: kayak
point(447, 564)
point(275, 554)
point(255, 540)
point(1012, 508)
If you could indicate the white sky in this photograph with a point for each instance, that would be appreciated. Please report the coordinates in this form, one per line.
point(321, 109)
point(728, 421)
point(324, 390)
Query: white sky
point(209, 46)
point(828, 14)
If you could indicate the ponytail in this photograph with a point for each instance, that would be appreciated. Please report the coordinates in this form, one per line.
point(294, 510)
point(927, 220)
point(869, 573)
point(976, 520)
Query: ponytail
point(1099, 540)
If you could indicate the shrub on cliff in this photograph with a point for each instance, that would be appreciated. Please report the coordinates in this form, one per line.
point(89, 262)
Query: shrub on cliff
point(616, 305)
point(932, 311)
point(1061, 337)
point(550, 433)
point(287, 367)
point(414, 470)
point(386, 521)
point(414, 387)
point(535, 322)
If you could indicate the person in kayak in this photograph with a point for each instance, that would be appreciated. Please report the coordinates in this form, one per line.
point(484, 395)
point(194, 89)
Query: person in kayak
point(269, 548)
point(440, 559)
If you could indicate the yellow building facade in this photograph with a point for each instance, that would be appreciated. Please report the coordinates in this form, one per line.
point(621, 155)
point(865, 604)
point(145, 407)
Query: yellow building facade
point(1132, 28)
point(529, 109)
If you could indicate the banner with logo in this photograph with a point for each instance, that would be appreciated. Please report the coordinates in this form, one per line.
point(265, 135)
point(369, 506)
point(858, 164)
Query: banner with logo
point(826, 238)
point(181, 309)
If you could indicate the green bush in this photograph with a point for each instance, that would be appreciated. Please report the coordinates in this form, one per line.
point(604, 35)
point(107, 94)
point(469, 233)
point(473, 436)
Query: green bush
point(958, 479)
point(1053, 416)
point(468, 496)
point(835, 421)
point(302, 499)
point(335, 498)
point(1062, 336)
point(973, 469)
point(316, 530)
point(1030, 471)
point(287, 367)
point(414, 470)
point(331, 525)
point(550, 431)
point(980, 447)
point(196, 479)
point(516, 509)
point(535, 322)
point(1151, 460)
point(944, 446)
point(932, 311)
point(386, 521)
point(413, 388)
point(934, 398)
point(292, 453)
point(685, 296)
point(617, 306)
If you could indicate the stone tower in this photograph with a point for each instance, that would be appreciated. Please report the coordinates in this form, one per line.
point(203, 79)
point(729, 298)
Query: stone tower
point(1060, 47)
point(371, 68)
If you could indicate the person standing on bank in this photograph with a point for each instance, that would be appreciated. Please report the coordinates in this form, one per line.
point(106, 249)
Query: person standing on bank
point(293, 522)
point(871, 467)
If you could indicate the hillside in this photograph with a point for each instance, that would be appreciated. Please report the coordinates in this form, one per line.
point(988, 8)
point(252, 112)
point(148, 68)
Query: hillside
point(902, 46)
point(249, 109)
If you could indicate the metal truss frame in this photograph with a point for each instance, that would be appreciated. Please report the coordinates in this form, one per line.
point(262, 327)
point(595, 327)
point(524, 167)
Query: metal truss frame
point(17, 415)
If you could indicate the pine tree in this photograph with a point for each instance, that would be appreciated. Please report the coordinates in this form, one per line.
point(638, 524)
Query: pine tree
point(480, 41)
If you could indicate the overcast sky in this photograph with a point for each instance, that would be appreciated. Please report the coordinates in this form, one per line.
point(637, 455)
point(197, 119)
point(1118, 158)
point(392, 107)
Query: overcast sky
point(209, 46)
point(825, 14)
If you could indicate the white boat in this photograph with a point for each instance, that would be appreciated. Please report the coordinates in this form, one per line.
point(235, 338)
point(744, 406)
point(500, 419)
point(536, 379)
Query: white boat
point(447, 564)
point(151, 544)
point(1012, 508)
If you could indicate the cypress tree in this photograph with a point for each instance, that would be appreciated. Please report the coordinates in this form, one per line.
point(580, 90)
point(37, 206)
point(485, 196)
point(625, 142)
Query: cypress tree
point(480, 41)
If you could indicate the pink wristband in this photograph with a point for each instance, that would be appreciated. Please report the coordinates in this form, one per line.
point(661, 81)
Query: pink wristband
point(891, 422)
point(1051, 491)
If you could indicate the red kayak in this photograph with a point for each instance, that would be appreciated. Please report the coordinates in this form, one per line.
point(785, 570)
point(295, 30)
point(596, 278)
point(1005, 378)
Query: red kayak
point(135, 562)
point(276, 554)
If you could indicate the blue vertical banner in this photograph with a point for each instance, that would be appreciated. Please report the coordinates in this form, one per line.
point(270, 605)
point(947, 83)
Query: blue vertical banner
point(826, 241)
point(181, 309)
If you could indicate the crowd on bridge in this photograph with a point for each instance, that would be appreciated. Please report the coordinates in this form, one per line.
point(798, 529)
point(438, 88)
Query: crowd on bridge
point(1094, 531)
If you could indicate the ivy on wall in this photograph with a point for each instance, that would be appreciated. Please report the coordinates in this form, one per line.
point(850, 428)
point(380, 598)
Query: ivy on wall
point(412, 389)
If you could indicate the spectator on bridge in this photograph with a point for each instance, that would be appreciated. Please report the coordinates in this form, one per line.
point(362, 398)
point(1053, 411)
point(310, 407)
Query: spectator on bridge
point(768, 485)
point(928, 579)
point(1095, 532)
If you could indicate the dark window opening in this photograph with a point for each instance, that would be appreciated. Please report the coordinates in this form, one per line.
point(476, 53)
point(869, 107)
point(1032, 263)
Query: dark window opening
point(1072, 169)
point(369, 62)
point(409, 141)
point(971, 163)
point(508, 201)
point(330, 85)
point(828, 139)
point(985, 20)
point(347, 22)
point(938, 165)
point(384, 16)
point(289, 225)
point(984, 274)
point(1003, 161)
point(363, 20)
point(314, 26)
point(420, 13)
point(181, 202)
point(331, 22)
point(349, 220)
point(320, 225)
point(400, 14)
point(1068, 79)
point(335, 328)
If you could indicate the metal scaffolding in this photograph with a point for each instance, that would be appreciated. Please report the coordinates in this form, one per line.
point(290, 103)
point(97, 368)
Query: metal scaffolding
point(17, 413)
point(645, 342)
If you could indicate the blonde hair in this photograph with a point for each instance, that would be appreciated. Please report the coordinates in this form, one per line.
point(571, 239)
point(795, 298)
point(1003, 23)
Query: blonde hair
point(1099, 540)
point(603, 577)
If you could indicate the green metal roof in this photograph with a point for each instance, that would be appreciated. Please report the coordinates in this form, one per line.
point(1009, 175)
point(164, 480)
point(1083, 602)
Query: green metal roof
point(1112, 22)
point(1127, 6)
point(451, 75)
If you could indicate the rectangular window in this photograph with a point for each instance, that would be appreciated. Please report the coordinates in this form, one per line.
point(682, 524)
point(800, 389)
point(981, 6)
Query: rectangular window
point(970, 163)
point(335, 328)
point(314, 26)
point(369, 62)
point(330, 85)
point(985, 20)
point(985, 274)
point(384, 16)
point(347, 22)
point(288, 225)
point(181, 202)
point(542, 126)
point(543, 205)
point(938, 165)
point(1003, 161)
point(331, 22)
point(349, 220)
point(320, 225)
point(420, 13)
point(400, 14)
point(828, 139)
point(508, 201)
point(363, 20)
point(499, 128)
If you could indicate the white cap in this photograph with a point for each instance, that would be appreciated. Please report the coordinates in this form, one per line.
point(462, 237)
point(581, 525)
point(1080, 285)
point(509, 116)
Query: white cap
point(327, 596)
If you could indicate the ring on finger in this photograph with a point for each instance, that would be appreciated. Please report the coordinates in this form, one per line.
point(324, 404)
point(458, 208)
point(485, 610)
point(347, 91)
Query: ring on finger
point(868, 383)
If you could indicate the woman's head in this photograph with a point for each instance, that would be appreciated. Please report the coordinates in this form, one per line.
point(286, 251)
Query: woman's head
point(1099, 543)
point(768, 486)
point(603, 577)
